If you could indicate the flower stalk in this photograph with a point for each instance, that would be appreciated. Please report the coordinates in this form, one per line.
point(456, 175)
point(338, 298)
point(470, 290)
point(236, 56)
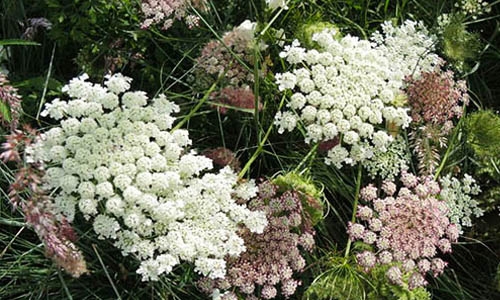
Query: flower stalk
point(355, 207)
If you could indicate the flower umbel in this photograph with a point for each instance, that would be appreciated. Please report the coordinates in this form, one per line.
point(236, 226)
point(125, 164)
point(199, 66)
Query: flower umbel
point(272, 259)
point(114, 159)
point(349, 87)
point(166, 11)
point(405, 229)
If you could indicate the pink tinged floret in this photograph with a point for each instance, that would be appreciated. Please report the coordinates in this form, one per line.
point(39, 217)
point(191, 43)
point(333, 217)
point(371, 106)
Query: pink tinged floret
point(366, 259)
point(424, 266)
point(416, 280)
point(452, 232)
point(364, 213)
point(289, 287)
point(267, 190)
point(375, 224)
point(369, 193)
point(444, 245)
point(437, 266)
point(247, 288)
point(369, 237)
point(385, 257)
point(409, 180)
point(355, 231)
point(389, 188)
point(268, 292)
point(408, 265)
point(379, 204)
point(421, 190)
point(394, 275)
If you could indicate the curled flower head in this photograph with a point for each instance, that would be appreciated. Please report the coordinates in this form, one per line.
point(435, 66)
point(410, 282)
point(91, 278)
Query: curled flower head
point(435, 97)
point(236, 98)
point(223, 157)
point(217, 58)
point(28, 193)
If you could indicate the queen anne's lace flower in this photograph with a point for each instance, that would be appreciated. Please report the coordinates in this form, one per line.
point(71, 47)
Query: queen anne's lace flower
point(119, 164)
point(350, 88)
point(218, 57)
point(435, 97)
point(457, 195)
point(389, 163)
point(473, 8)
point(406, 229)
point(273, 4)
point(166, 11)
point(267, 268)
point(230, 61)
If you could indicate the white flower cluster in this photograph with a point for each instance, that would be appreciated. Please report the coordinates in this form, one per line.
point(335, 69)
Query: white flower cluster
point(274, 4)
point(350, 88)
point(409, 48)
point(388, 164)
point(457, 195)
point(115, 158)
point(473, 8)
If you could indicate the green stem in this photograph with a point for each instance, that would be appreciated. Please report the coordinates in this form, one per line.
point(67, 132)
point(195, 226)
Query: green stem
point(256, 154)
point(12, 223)
point(260, 147)
point(63, 283)
point(306, 158)
point(197, 107)
point(449, 149)
point(106, 272)
point(11, 241)
point(355, 206)
point(256, 86)
point(275, 17)
point(44, 92)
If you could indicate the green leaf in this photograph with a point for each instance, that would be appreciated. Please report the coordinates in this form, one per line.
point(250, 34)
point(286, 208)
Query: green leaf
point(5, 111)
point(18, 42)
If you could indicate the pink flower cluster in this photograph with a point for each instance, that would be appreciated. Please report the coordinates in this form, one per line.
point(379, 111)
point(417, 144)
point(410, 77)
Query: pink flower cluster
point(405, 229)
point(272, 258)
point(26, 191)
point(219, 58)
point(10, 98)
point(435, 97)
point(240, 97)
point(230, 60)
point(223, 157)
point(166, 11)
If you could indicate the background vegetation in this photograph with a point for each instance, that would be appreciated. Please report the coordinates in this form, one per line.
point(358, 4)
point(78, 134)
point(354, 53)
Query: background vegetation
point(101, 36)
